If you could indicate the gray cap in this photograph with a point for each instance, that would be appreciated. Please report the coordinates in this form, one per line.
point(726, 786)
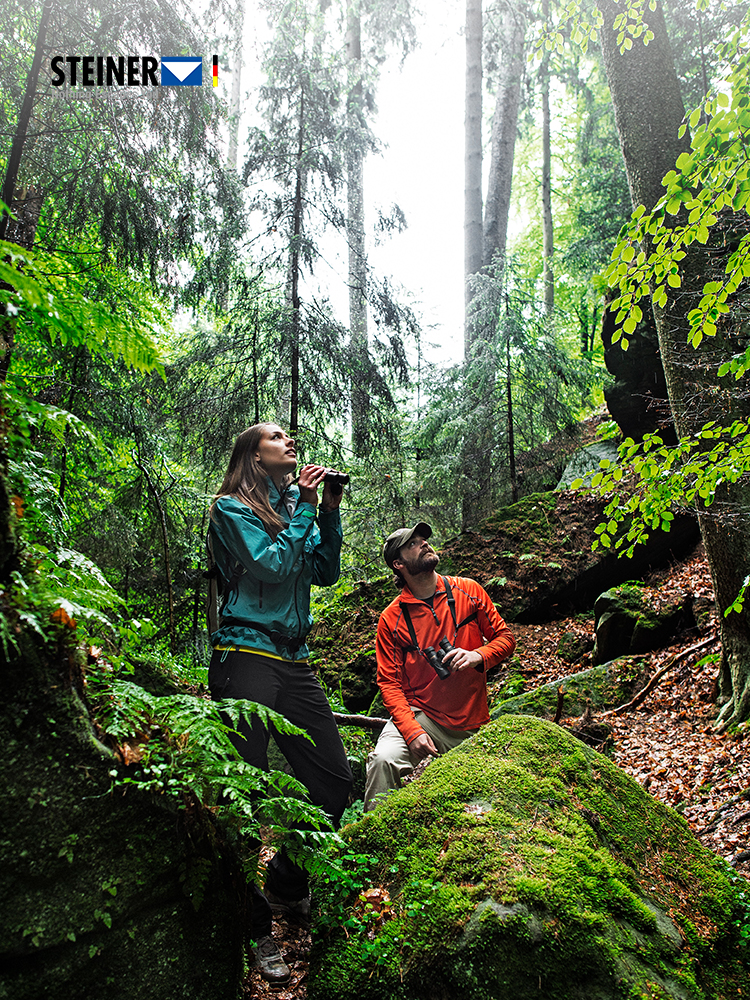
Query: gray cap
point(395, 542)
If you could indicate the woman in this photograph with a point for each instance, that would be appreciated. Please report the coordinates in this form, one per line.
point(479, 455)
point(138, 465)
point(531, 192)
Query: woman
point(270, 542)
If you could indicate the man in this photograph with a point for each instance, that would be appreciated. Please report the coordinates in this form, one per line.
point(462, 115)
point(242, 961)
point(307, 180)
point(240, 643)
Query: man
point(429, 714)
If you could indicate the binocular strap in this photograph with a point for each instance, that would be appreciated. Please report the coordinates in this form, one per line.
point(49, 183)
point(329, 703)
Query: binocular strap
point(415, 647)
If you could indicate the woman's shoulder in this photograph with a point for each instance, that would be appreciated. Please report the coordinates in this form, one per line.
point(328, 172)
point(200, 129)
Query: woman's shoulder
point(230, 507)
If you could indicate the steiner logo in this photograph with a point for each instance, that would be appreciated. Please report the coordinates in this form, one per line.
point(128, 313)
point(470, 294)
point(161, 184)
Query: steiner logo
point(182, 71)
point(126, 71)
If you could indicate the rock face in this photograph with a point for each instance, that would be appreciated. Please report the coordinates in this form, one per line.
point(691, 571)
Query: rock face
point(105, 892)
point(625, 623)
point(526, 865)
point(534, 558)
point(585, 461)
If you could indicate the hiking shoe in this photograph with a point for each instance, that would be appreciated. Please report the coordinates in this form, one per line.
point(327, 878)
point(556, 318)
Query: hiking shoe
point(268, 959)
point(297, 910)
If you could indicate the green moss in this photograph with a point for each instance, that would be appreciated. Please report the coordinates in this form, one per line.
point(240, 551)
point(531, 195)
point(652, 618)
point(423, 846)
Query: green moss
point(524, 855)
point(602, 687)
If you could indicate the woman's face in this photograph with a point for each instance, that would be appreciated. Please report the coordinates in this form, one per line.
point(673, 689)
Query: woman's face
point(276, 451)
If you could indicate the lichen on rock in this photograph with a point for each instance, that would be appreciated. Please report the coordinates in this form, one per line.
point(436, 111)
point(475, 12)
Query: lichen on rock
point(524, 864)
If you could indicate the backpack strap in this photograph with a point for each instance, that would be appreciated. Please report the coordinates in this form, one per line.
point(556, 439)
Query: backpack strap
point(218, 591)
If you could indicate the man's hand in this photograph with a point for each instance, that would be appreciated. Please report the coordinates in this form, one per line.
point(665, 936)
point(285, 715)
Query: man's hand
point(461, 659)
point(422, 746)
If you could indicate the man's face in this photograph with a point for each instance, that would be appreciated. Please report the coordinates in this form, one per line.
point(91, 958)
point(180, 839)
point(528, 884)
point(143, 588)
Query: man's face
point(416, 557)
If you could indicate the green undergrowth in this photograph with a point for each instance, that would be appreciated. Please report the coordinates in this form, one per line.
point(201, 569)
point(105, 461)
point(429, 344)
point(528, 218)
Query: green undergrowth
point(525, 861)
point(343, 642)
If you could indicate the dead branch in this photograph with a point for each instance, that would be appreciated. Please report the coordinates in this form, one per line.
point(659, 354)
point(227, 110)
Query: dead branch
point(645, 691)
point(361, 721)
point(560, 700)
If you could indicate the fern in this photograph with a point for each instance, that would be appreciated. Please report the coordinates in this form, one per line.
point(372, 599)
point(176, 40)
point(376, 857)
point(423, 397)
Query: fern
point(179, 746)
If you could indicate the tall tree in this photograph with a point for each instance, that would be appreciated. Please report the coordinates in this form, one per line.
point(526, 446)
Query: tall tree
point(473, 156)
point(511, 31)
point(649, 112)
point(548, 235)
point(355, 229)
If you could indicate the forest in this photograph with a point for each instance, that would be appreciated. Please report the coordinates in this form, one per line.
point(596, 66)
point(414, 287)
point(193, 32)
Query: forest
point(179, 262)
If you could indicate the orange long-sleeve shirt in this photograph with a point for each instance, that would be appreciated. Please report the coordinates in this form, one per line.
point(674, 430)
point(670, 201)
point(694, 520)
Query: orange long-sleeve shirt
point(407, 680)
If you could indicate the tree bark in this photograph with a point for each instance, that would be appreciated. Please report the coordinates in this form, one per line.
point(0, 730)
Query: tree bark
point(648, 111)
point(19, 139)
point(473, 156)
point(234, 101)
point(504, 130)
point(355, 231)
point(294, 269)
point(548, 235)
point(156, 496)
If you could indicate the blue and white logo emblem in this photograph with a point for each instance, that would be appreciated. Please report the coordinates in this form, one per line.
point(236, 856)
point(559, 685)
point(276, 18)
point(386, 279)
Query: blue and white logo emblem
point(182, 71)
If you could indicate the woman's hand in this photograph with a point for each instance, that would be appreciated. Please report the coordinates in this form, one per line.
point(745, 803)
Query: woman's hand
point(331, 499)
point(310, 478)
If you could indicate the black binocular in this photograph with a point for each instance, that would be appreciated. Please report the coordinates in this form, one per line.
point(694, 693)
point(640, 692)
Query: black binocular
point(337, 480)
point(435, 657)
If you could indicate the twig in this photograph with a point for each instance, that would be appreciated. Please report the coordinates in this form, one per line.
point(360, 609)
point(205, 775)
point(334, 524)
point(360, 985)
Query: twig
point(560, 700)
point(642, 694)
point(362, 721)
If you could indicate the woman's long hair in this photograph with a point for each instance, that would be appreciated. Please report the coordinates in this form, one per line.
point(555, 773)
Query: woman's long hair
point(247, 480)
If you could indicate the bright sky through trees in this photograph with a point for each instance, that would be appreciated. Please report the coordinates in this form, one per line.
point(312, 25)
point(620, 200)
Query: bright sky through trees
point(420, 123)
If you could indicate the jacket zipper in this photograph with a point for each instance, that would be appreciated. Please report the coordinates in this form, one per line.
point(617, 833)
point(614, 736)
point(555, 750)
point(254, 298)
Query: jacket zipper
point(260, 593)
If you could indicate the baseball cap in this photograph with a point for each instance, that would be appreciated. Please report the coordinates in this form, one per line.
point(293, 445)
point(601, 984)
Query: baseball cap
point(400, 538)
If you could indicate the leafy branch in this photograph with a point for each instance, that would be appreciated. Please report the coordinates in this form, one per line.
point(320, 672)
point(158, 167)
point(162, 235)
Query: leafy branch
point(714, 177)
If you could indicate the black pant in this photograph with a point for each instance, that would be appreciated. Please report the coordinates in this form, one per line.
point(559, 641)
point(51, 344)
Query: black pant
point(292, 690)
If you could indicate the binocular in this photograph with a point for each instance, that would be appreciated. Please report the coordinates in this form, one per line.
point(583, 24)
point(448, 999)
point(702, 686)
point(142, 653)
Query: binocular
point(337, 480)
point(435, 657)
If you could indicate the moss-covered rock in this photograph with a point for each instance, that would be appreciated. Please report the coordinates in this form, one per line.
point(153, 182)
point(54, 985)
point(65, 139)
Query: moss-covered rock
point(626, 621)
point(605, 686)
point(534, 557)
point(573, 645)
point(524, 864)
point(105, 892)
point(343, 642)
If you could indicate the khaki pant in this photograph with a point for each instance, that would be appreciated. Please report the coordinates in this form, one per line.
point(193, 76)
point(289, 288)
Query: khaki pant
point(391, 760)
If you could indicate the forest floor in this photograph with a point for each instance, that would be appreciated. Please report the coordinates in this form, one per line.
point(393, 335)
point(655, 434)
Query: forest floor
point(668, 743)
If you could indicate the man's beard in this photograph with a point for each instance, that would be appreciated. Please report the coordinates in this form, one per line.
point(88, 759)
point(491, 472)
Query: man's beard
point(424, 564)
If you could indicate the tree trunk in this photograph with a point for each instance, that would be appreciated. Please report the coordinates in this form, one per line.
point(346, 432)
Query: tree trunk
point(504, 130)
point(294, 269)
point(156, 496)
point(473, 155)
point(25, 226)
point(355, 231)
point(648, 111)
point(234, 101)
point(511, 436)
point(548, 237)
point(19, 139)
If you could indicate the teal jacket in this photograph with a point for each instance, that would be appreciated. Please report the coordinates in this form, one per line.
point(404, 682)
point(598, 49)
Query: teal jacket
point(267, 582)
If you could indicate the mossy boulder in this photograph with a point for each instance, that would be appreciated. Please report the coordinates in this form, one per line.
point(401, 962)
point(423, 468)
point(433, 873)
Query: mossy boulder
point(534, 557)
point(626, 621)
point(605, 686)
point(523, 865)
point(106, 891)
point(343, 642)
point(573, 645)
